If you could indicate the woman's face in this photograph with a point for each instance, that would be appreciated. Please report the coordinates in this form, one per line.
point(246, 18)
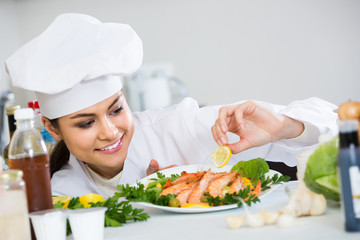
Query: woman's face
point(100, 135)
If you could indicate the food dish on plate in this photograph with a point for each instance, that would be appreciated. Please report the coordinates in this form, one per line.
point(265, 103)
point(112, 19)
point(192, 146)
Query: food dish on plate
point(192, 169)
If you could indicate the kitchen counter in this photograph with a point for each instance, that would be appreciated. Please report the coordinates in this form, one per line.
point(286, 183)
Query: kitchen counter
point(167, 225)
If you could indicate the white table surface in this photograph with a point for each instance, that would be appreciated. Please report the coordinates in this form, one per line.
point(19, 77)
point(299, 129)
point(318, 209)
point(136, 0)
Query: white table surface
point(167, 225)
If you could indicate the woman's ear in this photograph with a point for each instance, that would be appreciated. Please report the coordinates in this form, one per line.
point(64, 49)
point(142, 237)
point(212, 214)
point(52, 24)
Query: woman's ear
point(51, 129)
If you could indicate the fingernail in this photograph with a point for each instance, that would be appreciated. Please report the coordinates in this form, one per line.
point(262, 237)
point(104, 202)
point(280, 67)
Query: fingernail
point(223, 141)
point(223, 127)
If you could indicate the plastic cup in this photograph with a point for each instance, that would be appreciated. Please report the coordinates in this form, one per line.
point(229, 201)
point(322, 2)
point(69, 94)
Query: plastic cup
point(49, 224)
point(87, 223)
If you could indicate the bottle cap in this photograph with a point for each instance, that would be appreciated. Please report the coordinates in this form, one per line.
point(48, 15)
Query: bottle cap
point(10, 110)
point(36, 104)
point(24, 113)
point(31, 104)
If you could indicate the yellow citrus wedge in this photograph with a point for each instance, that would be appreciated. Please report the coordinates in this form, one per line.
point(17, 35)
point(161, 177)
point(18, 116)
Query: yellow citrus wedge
point(91, 197)
point(221, 156)
point(195, 205)
point(62, 199)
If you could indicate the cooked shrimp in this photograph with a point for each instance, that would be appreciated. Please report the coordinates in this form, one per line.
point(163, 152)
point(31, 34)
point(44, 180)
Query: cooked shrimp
point(256, 191)
point(216, 176)
point(215, 188)
point(174, 189)
point(199, 190)
point(236, 186)
point(183, 196)
point(185, 177)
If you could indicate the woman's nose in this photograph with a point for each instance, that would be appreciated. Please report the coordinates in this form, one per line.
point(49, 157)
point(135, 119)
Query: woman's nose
point(108, 129)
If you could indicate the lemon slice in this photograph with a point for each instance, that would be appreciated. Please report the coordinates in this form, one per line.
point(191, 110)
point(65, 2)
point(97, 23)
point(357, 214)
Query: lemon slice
point(62, 199)
point(221, 156)
point(195, 205)
point(91, 197)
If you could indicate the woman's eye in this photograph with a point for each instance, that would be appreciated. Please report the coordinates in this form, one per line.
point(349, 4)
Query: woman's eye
point(117, 111)
point(86, 124)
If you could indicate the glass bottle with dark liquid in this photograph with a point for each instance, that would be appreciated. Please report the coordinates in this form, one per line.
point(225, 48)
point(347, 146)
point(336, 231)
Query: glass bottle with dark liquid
point(28, 153)
point(349, 173)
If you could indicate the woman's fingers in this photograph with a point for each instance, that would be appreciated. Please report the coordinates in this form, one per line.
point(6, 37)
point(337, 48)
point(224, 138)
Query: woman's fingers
point(221, 125)
point(239, 117)
point(218, 135)
point(153, 167)
point(231, 119)
point(254, 125)
point(239, 146)
point(223, 118)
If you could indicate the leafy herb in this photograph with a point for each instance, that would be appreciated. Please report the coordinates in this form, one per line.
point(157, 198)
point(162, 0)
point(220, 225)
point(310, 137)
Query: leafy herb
point(161, 179)
point(58, 205)
point(275, 179)
point(149, 194)
point(75, 203)
point(120, 211)
point(234, 198)
point(140, 194)
point(253, 169)
point(160, 175)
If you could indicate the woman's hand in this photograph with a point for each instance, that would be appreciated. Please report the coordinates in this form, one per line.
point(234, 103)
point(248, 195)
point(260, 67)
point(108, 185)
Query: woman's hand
point(154, 167)
point(254, 125)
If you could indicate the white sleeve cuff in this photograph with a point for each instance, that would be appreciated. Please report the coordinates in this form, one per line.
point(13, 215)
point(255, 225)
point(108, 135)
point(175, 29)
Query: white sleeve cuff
point(309, 136)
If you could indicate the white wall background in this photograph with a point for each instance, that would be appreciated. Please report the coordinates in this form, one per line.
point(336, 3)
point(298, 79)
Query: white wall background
point(224, 50)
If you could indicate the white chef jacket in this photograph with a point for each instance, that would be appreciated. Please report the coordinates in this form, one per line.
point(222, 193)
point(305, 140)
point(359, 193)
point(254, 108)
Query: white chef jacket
point(181, 135)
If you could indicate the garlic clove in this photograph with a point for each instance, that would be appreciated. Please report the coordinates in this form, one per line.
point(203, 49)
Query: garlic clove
point(234, 222)
point(269, 217)
point(318, 206)
point(289, 209)
point(255, 220)
point(303, 203)
point(285, 220)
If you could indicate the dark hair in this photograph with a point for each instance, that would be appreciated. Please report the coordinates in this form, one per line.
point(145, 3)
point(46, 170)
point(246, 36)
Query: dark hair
point(60, 154)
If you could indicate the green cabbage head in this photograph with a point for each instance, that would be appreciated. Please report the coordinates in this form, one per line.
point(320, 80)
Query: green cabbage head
point(321, 170)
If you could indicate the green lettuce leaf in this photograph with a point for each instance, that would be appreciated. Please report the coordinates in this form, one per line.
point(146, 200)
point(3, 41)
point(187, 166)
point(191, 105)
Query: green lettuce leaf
point(321, 170)
point(253, 169)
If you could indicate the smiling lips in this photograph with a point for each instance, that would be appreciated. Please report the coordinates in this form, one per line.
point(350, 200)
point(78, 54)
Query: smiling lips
point(113, 147)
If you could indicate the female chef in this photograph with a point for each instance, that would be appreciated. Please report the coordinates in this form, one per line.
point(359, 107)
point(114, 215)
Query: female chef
point(74, 67)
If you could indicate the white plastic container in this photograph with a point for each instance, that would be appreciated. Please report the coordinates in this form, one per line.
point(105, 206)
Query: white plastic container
point(49, 224)
point(87, 223)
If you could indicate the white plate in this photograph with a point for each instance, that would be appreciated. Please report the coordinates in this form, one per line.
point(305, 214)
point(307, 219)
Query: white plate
point(194, 168)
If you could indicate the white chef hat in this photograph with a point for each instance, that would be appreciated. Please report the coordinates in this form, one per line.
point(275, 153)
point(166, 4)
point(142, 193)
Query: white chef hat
point(75, 63)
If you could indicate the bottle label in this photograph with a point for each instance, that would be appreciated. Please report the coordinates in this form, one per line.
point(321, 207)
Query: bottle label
point(354, 172)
